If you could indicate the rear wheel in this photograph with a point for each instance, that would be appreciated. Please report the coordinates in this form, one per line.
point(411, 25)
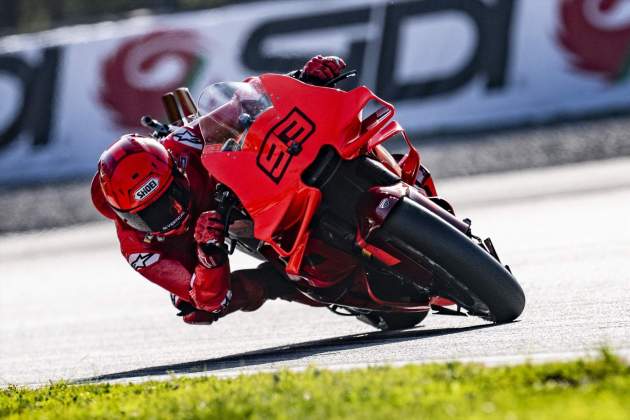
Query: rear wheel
point(462, 270)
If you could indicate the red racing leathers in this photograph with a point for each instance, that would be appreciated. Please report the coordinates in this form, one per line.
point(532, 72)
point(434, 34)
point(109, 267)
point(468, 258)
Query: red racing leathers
point(204, 290)
point(171, 261)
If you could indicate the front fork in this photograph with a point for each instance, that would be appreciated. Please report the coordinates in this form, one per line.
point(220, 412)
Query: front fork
point(375, 207)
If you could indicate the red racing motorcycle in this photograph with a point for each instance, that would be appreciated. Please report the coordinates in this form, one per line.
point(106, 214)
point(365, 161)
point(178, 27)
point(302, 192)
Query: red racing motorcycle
point(304, 175)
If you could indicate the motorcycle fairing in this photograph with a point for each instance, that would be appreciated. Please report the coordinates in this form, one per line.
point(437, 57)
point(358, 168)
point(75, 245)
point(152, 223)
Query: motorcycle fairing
point(284, 140)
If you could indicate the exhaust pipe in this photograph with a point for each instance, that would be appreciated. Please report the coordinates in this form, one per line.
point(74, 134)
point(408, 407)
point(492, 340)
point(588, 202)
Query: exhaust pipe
point(173, 114)
point(187, 105)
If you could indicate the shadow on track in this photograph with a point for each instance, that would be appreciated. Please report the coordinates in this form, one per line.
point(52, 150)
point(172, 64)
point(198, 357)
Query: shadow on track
point(283, 353)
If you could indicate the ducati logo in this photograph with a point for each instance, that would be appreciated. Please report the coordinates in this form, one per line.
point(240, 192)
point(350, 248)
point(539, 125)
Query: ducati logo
point(146, 189)
point(385, 203)
point(138, 72)
point(596, 34)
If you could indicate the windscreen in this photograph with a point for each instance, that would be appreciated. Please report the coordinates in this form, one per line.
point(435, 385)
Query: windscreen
point(228, 109)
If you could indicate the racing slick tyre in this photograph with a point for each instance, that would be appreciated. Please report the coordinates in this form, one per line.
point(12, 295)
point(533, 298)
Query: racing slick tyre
point(388, 321)
point(462, 270)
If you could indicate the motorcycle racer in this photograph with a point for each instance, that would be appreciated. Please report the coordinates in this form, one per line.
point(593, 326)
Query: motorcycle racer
point(160, 198)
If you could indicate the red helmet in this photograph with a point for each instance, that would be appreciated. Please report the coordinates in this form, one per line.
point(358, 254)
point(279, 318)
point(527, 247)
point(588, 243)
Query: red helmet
point(143, 185)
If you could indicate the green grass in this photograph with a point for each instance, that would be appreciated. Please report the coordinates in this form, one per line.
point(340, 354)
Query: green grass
point(584, 389)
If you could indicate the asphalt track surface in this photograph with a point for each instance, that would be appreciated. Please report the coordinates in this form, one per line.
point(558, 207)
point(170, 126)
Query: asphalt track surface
point(71, 308)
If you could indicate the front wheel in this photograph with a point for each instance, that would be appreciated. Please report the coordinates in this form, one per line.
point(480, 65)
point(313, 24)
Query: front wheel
point(462, 270)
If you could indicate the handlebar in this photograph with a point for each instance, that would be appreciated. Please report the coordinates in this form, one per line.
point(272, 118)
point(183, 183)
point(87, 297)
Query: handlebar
point(341, 77)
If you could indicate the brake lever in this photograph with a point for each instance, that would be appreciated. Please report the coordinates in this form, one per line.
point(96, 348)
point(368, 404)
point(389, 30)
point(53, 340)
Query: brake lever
point(226, 202)
point(342, 76)
point(159, 130)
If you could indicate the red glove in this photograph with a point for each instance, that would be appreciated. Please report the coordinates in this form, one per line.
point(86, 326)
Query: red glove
point(190, 314)
point(200, 318)
point(209, 235)
point(181, 305)
point(209, 228)
point(323, 68)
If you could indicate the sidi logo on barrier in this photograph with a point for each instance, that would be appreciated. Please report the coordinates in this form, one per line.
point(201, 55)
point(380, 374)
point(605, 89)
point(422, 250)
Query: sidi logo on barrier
point(30, 108)
point(283, 142)
point(596, 34)
point(489, 22)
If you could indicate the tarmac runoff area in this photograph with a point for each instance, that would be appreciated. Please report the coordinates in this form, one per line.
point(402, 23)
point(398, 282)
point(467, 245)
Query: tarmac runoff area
point(71, 308)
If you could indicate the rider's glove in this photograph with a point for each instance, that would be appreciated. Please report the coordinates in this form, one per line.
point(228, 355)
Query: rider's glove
point(322, 69)
point(209, 235)
point(200, 318)
point(190, 314)
point(181, 305)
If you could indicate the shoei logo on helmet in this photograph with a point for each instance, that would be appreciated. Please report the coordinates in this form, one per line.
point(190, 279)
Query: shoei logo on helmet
point(148, 187)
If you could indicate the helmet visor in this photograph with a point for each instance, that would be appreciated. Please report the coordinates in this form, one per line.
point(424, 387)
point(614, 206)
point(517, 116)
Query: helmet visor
point(166, 213)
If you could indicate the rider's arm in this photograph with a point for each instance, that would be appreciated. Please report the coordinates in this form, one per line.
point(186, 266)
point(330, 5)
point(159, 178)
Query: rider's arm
point(184, 140)
point(207, 289)
point(206, 286)
point(210, 285)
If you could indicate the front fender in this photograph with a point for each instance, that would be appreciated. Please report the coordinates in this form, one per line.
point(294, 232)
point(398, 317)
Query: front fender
point(378, 202)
